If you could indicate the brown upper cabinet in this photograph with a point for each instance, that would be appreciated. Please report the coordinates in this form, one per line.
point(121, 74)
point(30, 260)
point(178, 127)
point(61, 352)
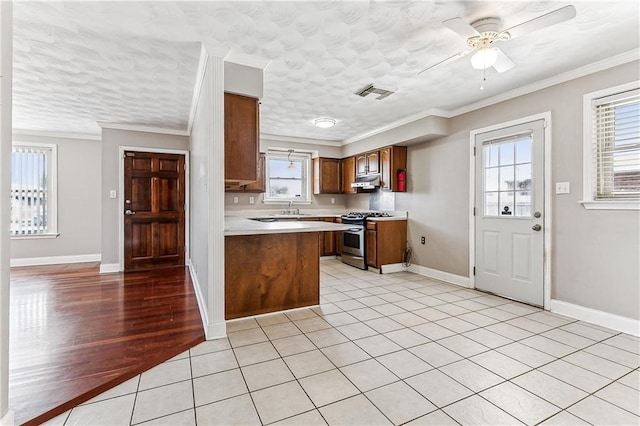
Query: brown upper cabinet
point(368, 162)
point(326, 176)
point(348, 175)
point(393, 168)
point(241, 139)
point(258, 186)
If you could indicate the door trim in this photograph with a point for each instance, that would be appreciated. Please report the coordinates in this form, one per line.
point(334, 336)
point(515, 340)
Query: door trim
point(547, 247)
point(121, 151)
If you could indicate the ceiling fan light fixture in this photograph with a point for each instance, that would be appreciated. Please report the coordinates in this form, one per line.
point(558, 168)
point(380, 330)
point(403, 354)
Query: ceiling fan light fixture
point(324, 122)
point(484, 58)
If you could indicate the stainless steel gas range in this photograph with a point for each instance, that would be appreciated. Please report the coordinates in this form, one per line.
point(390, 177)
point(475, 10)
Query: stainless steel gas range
point(354, 241)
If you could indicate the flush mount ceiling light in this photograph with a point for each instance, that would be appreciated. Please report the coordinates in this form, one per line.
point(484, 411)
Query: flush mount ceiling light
point(324, 122)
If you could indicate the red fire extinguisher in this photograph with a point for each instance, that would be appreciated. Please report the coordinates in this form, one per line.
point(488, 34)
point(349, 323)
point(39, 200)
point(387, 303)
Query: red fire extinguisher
point(402, 180)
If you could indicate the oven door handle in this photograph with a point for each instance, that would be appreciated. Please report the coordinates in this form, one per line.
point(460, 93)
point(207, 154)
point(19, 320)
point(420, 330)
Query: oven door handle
point(355, 229)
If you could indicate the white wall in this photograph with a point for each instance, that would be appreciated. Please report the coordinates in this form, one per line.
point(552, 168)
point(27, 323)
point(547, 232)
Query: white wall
point(112, 140)
point(595, 253)
point(79, 211)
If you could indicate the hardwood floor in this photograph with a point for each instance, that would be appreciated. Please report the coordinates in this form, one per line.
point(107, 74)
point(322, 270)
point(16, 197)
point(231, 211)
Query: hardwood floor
point(76, 333)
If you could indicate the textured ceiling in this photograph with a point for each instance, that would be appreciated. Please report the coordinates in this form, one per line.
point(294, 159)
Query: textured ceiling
point(78, 63)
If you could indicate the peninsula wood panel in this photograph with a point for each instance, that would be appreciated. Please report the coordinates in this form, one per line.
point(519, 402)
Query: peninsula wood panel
point(74, 333)
point(271, 272)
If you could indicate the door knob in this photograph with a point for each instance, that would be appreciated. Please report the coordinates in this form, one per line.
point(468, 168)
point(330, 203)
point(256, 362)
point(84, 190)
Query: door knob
point(536, 227)
point(129, 212)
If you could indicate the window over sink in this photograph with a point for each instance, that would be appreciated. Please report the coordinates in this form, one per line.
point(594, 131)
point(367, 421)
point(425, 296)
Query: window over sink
point(287, 176)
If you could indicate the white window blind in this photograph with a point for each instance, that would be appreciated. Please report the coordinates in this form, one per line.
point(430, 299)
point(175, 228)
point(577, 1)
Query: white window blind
point(33, 190)
point(616, 147)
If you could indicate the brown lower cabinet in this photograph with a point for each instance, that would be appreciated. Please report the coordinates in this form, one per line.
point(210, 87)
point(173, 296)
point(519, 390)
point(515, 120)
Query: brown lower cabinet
point(386, 242)
point(327, 240)
point(271, 272)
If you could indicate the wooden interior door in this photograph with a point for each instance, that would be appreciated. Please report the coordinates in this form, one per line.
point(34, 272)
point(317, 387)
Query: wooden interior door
point(154, 191)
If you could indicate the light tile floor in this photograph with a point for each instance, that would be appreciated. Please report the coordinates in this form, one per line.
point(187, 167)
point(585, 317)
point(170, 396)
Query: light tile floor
point(388, 349)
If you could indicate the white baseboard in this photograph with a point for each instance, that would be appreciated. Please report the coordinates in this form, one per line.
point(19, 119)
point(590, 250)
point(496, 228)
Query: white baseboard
point(601, 318)
point(8, 419)
point(441, 275)
point(394, 267)
point(213, 330)
point(55, 260)
point(109, 268)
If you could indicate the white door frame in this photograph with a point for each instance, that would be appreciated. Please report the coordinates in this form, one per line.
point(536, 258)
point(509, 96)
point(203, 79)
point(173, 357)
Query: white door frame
point(121, 152)
point(546, 116)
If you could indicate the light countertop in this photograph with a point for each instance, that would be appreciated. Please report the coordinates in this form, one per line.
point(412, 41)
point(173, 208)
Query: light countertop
point(234, 225)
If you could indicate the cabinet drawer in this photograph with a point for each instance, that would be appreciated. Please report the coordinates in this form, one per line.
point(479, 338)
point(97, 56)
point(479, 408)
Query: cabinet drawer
point(371, 226)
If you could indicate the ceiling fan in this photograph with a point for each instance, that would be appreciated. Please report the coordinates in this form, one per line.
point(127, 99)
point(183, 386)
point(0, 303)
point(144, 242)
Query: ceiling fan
point(481, 36)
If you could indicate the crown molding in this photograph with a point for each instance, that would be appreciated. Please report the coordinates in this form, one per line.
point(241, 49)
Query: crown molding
point(138, 128)
point(614, 61)
point(61, 135)
point(293, 139)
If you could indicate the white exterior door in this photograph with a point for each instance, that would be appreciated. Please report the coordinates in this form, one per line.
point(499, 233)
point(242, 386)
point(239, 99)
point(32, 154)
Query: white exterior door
point(509, 204)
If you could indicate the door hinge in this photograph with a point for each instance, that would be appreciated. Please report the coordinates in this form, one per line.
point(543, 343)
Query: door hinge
point(474, 211)
point(474, 271)
point(129, 154)
point(474, 151)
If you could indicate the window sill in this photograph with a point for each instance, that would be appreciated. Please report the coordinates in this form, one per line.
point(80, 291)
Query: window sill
point(611, 205)
point(35, 237)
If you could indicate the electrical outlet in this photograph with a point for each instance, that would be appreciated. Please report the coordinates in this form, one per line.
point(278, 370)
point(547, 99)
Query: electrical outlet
point(333, 200)
point(235, 200)
point(423, 240)
point(113, 194)
point(252, 200)
point(563, 188)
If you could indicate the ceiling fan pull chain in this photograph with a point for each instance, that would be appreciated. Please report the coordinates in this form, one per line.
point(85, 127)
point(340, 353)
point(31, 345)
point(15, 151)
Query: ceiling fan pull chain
point(484, 78)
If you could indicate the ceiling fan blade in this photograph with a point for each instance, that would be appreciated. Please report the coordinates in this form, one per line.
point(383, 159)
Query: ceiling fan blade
point(449, 59)
point(546, 20)
point(503, 63)
point(460, 26)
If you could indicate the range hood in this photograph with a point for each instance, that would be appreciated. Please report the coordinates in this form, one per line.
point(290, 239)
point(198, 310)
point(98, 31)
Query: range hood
point(366, 183)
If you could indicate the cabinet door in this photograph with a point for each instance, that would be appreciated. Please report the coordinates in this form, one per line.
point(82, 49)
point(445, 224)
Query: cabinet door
point(326, 176)
point(385, 169)
point(348, 175)
point(372, 257)
point(373, 162)
point(361, 164)
point(329, 246)
point(240, 139)
point(260, 184)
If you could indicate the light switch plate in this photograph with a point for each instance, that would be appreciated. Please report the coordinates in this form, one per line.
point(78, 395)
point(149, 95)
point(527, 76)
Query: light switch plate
point(235, 200)
point(563, 188)
point(113, 193)
point(333, 200)
point(252, 200)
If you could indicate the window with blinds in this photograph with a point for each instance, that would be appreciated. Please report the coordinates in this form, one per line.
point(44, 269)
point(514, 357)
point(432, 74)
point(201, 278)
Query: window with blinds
point(616, 146)
point(33, 197)
point(287, 176)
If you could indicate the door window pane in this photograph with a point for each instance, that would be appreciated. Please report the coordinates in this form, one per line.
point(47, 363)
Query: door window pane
point(490, 155)
point(523, 151)
point(506, 178)
point(523, 203)
point(506, 203)
point(491, 179)
point(491, 204)
point(523, 176)
point(506, 153)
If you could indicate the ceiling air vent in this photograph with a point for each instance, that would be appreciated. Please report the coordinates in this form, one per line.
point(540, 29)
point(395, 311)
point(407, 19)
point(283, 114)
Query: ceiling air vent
point(370, 89)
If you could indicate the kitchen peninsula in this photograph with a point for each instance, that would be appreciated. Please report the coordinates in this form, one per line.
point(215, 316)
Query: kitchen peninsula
point(272, 266)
